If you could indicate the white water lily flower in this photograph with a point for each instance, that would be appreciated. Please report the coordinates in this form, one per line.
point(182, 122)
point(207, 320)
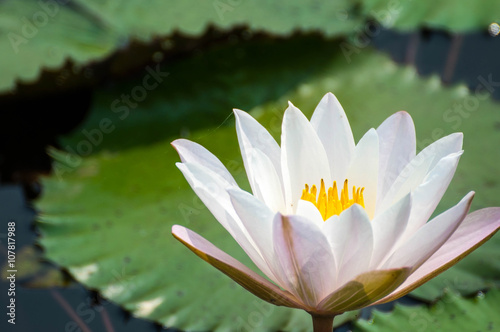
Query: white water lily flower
point(335, 225)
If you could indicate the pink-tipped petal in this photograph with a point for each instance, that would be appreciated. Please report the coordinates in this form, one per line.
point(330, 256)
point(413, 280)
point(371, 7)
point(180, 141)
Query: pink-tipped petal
point(414, 173)
point(350, 236)
point(331, 123)
point(252, 136)
point(212, 190)
point(257, 218)
point(363, 290)
point(397, 146)
point(363, 170)
point(427, 195)
point(191, 152)
point(388, 227)
point(304, 258)
point(304, 159)
point(477, 228)
point(266, 183)
point(430, 237)
point(248, 279)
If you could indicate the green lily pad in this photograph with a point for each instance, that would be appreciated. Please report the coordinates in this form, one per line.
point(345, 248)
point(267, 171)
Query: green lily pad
point(107, 217)
point(147, 282)
point(480, 270)
point(159, 17)
point(242, 76)
point(33, 271)
point(451, 313)
point(44, 35)
point(447, 15)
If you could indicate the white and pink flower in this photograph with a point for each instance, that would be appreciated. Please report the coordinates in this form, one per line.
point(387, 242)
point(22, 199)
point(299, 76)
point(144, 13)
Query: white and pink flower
point(335, 225)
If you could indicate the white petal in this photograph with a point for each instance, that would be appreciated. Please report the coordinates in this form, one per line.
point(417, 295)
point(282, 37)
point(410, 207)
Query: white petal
point(333, 129)
point(443, 147)
point(363, 171)
point(304, 159)
point(351, 239)
point(477, 228)
point(417, 169)
point(308, 210)
point(430, 237)
point(248, 279)
point(212, 190)
point(253, 136)
point(397, 147)
point(266, 184)
point(304, 256)
point(363, 290)
point(427, 195)
point(257, 219)
point(388, 227)
point(191, 152)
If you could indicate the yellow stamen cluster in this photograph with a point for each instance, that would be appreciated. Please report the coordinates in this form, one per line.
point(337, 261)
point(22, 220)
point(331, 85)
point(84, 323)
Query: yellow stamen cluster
point(330, 204)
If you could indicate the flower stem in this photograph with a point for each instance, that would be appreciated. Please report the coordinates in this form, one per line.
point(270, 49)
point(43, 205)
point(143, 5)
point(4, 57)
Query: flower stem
point(322, 323)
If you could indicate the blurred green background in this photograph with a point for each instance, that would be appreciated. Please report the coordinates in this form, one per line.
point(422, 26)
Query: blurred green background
point(93, 92)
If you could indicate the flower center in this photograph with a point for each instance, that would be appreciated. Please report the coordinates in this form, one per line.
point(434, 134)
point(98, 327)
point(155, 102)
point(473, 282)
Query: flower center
point(329, 203)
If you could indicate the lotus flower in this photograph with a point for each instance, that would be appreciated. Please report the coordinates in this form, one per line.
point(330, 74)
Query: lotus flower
point(334, 225)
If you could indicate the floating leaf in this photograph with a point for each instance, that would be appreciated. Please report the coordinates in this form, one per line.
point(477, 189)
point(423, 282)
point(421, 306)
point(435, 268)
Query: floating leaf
point(447, 15)
point(107, 218)
point(450, 313)
point(243, 76)
point(190, 17)
point(44, 34)
point(480, 270)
